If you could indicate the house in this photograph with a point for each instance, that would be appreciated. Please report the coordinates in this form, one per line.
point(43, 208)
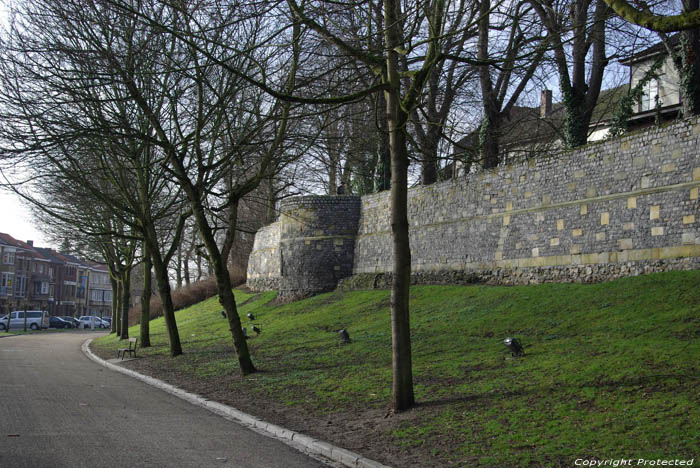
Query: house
point(26, 276)
point(529, 131)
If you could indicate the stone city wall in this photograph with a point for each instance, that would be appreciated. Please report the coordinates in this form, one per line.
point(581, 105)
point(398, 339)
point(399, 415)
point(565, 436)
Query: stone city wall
point(615, 208)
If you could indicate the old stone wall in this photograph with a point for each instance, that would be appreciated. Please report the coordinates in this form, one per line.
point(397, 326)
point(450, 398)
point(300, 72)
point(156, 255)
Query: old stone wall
point(264, 261)
point(614, 208)
point(309, 249)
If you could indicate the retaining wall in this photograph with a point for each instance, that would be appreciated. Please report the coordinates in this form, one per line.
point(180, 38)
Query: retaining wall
point(613, 208)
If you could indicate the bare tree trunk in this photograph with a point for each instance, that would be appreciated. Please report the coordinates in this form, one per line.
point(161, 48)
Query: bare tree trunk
point(178, 268)
point(217, 263)
point(402, 386)
point(126, 299)
point(144, 329)
point(690, 65)
point(115, 304)
point(119, 299)
point(199, 267)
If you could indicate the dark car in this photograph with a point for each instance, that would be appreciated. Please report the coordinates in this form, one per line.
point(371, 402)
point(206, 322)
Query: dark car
point(58, 322)
point(72, 321)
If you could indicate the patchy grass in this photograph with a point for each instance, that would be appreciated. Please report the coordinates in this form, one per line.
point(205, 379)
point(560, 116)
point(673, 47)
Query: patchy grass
point(611, 370)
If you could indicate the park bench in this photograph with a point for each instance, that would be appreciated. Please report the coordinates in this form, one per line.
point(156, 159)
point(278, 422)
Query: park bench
point(131, 349)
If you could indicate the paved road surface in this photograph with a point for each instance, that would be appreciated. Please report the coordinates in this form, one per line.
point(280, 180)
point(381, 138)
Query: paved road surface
point(58, 409)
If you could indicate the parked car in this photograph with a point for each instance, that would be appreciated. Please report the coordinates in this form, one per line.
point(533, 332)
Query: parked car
point(58, 322)
point(107, 321)
point(36, 319)
point(74, 322)
point(89, 321)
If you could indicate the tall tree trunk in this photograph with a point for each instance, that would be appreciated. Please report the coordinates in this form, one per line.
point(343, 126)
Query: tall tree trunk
point(690, 65)
point(382, 171)
point(144, 328)
point(402, 381)
point(120, 297)
point(126, 299)
point(217, 263)
point(489, 133)
point(178, 269)
point(115, 304)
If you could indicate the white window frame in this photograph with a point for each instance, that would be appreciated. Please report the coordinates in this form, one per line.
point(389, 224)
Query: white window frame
point(8, 258)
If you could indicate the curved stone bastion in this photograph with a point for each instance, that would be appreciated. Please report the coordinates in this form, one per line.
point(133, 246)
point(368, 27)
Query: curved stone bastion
point(309, 250)
point(620, 207)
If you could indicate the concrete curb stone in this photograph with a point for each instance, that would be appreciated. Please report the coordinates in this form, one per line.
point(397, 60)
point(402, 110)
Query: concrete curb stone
point(292, 438)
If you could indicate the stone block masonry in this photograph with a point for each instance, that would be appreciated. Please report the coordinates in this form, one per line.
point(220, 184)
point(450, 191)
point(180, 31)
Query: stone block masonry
point(616, 208)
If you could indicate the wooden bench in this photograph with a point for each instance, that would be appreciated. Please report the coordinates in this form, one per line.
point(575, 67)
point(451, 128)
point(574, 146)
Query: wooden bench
point(131, 349)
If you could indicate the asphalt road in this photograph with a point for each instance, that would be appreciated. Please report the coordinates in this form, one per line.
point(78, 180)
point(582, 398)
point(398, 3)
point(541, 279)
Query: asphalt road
point(58, 409)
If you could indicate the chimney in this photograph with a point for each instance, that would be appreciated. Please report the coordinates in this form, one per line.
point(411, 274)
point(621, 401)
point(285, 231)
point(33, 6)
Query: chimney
point(546, 104)
point(30, 243)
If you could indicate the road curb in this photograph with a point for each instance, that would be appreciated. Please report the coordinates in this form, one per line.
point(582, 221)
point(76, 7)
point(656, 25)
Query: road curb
point(289, 437)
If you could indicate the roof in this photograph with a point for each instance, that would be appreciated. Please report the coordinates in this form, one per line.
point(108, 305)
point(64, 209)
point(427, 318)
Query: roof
point(8, 240)
point(649, 52)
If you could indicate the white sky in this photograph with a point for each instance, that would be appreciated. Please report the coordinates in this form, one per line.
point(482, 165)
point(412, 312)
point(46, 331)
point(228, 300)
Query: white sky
point(16, 220)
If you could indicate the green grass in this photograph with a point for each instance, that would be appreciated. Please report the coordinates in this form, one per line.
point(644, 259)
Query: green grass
point(611, 370)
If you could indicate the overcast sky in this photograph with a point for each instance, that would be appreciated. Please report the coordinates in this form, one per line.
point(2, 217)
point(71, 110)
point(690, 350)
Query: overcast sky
point(15, 220)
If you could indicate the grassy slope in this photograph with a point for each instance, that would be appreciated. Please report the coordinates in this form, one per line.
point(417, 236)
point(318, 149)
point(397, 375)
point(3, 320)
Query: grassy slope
point(611, 370)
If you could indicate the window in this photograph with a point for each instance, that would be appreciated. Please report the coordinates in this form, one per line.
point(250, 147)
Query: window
point(6, 283)
point(651, 95)
point(21, 286)
point(108, 296)
point(50, 272)
point(44, 287)
point(8, 258)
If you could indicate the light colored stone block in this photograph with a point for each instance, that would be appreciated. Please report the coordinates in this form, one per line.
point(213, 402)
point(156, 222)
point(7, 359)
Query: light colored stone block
point(638, 162)
point(575, 249)
point(696, 173)
point(628, 226)
point(604, 218)
point(577, 232)
point(571, 186)
point(560, 224)
point(670, 167)
point(654, 212)
point(657, 231)
point(547, 199)
point(694, 193)
point(553, 242)
point(632, 203)
point(676, 154)
point(506, 220)
point(536, 252)
point(645, 182)
point(509, 206)
point(499, 255)
point(688, 238)
point(600, 236)
point(584, 210)
point(591, 192)
point(625, 244)
point(690, 219)
point(580, 174)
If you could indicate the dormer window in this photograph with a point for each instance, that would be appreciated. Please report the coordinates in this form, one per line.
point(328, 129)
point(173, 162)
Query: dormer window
point(651, 96)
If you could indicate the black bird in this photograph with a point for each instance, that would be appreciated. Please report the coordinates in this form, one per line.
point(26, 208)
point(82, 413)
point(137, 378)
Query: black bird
point(256, 329)
point(516, 349)
point(223, 313)
point(250, 316)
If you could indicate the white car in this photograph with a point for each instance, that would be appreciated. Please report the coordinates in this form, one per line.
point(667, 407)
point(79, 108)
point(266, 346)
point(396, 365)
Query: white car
point(36, 319)
point(89, 321)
